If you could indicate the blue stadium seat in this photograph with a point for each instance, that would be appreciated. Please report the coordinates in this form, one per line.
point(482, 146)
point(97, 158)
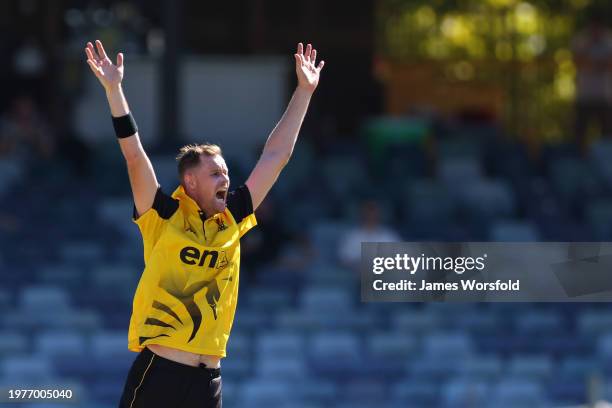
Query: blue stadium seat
point(82, 252)
point(264, 393)
point(117, 212)
point(47, 299)
point(534, 368)
point(110, 344)
point(591, 323)
point(459, 171)
point(367, 390)
point(346, 175)
point(517, 393)
point(32, 368)
point(464, 393)
point(280, 343)
point(335, 353)
point(326, 299)
point(414, 392)
point(428, 201)
point(12, 343)
point(326, 235)
point(237, 368)
point(599, 156)
point(598, 215)
point(486, 200)
point(239, 344)
point(116, 277)
point(447, 345)
point(540, 322)
point(484, 367)
point(287, 367)
point(320, 392)
point(66, 344)
point(415, 321)
point(268, 298)
point(476, 322)
point(390, 345)
point(65, 275)
point(514, 231)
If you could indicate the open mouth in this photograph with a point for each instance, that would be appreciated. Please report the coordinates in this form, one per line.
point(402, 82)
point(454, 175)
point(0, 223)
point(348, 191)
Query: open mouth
point(221, 194)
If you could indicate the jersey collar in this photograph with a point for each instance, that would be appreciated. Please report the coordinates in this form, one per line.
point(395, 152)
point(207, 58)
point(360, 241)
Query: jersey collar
point(189, 203)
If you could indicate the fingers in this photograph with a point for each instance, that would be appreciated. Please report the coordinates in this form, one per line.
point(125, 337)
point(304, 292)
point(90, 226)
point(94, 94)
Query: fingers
point(307, 56)
point(119, 60)
point(90, 55)
point(321, 64)
point(101, 51)
point(298, 59)
point(91, 52)
point(94, 67)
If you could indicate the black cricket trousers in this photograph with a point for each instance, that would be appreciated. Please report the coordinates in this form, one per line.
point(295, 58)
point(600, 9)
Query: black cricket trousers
point(156, 382)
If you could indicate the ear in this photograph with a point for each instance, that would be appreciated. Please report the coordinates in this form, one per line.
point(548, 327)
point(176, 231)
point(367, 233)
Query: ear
point(189, 180)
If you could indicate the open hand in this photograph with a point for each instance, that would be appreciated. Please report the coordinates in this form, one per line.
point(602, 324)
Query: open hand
point(307, 72)
point(109, 75)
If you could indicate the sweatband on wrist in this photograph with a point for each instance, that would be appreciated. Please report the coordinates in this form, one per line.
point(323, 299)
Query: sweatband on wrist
point(125, 126)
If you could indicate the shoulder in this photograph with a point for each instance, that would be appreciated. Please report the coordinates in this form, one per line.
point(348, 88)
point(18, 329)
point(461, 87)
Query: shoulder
point(239, 203)
point(164, 205)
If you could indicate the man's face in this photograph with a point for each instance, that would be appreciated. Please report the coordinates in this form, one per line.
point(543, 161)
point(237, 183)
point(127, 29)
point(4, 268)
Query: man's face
point(208, 184)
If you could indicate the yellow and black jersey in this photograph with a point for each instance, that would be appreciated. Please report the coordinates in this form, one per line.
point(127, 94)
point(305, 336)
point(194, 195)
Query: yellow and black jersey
point(186, 297)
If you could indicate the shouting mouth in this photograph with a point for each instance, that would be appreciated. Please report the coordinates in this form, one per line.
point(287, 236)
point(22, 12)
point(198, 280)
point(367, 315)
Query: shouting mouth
point(221, 195)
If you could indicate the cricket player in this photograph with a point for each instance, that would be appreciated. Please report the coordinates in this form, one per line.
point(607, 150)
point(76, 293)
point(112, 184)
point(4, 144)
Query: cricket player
point(185, 301)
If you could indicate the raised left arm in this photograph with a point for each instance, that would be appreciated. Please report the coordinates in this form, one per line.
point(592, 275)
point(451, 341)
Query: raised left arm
point(280, 143)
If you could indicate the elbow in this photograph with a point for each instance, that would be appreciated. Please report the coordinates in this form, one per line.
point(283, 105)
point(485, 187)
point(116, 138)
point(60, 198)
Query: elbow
point(132, 160)
point(280, 157)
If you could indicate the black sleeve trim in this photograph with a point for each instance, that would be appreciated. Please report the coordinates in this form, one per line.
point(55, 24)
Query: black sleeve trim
point(239, 203)
point(163, 204)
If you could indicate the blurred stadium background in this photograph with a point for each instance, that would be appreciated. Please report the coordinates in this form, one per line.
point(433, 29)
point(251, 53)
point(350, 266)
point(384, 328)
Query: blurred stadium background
point(434, 120)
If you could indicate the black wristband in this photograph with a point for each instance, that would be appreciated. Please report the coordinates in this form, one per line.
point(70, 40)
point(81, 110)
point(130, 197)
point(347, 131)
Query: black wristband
point(125, 126)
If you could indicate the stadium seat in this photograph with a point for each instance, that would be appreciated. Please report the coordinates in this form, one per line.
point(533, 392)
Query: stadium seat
point(513, 231)
point(335, 353)
point(459, 171)
point(47, 299)
point(287, 367)
point(428, 201)
point(465, 394)
point(12, 343)
point(517, 393)
point(540, 322)
point(263, 393)
point(486, 200)
point(65, 344)
point(31, 368)
point(484, 367)
point(414, 392)
point(536, 368)
point(280, 343)
point(326, 299)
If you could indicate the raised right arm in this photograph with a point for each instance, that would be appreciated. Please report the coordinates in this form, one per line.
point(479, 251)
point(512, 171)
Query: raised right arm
point(140, 170)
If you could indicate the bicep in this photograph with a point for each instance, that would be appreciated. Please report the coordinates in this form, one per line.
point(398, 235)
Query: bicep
point(140, 171)
point(264, 175)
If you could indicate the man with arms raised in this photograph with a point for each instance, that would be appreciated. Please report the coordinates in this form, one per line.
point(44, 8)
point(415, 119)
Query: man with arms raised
point(184, 305)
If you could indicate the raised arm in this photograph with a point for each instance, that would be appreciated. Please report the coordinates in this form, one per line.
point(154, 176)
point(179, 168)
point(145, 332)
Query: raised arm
point(280, 143)
point(140, 171)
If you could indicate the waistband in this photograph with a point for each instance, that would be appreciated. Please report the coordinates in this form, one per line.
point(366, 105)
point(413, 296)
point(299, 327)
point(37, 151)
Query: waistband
point(180, 367)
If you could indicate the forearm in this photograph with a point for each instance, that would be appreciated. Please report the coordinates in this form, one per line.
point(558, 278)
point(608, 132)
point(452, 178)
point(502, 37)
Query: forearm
point(282, 139)
point(116, 101)
point(130, 146)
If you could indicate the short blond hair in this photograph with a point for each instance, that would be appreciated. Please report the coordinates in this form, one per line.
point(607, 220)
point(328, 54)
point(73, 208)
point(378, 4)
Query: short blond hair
point(189, 155)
